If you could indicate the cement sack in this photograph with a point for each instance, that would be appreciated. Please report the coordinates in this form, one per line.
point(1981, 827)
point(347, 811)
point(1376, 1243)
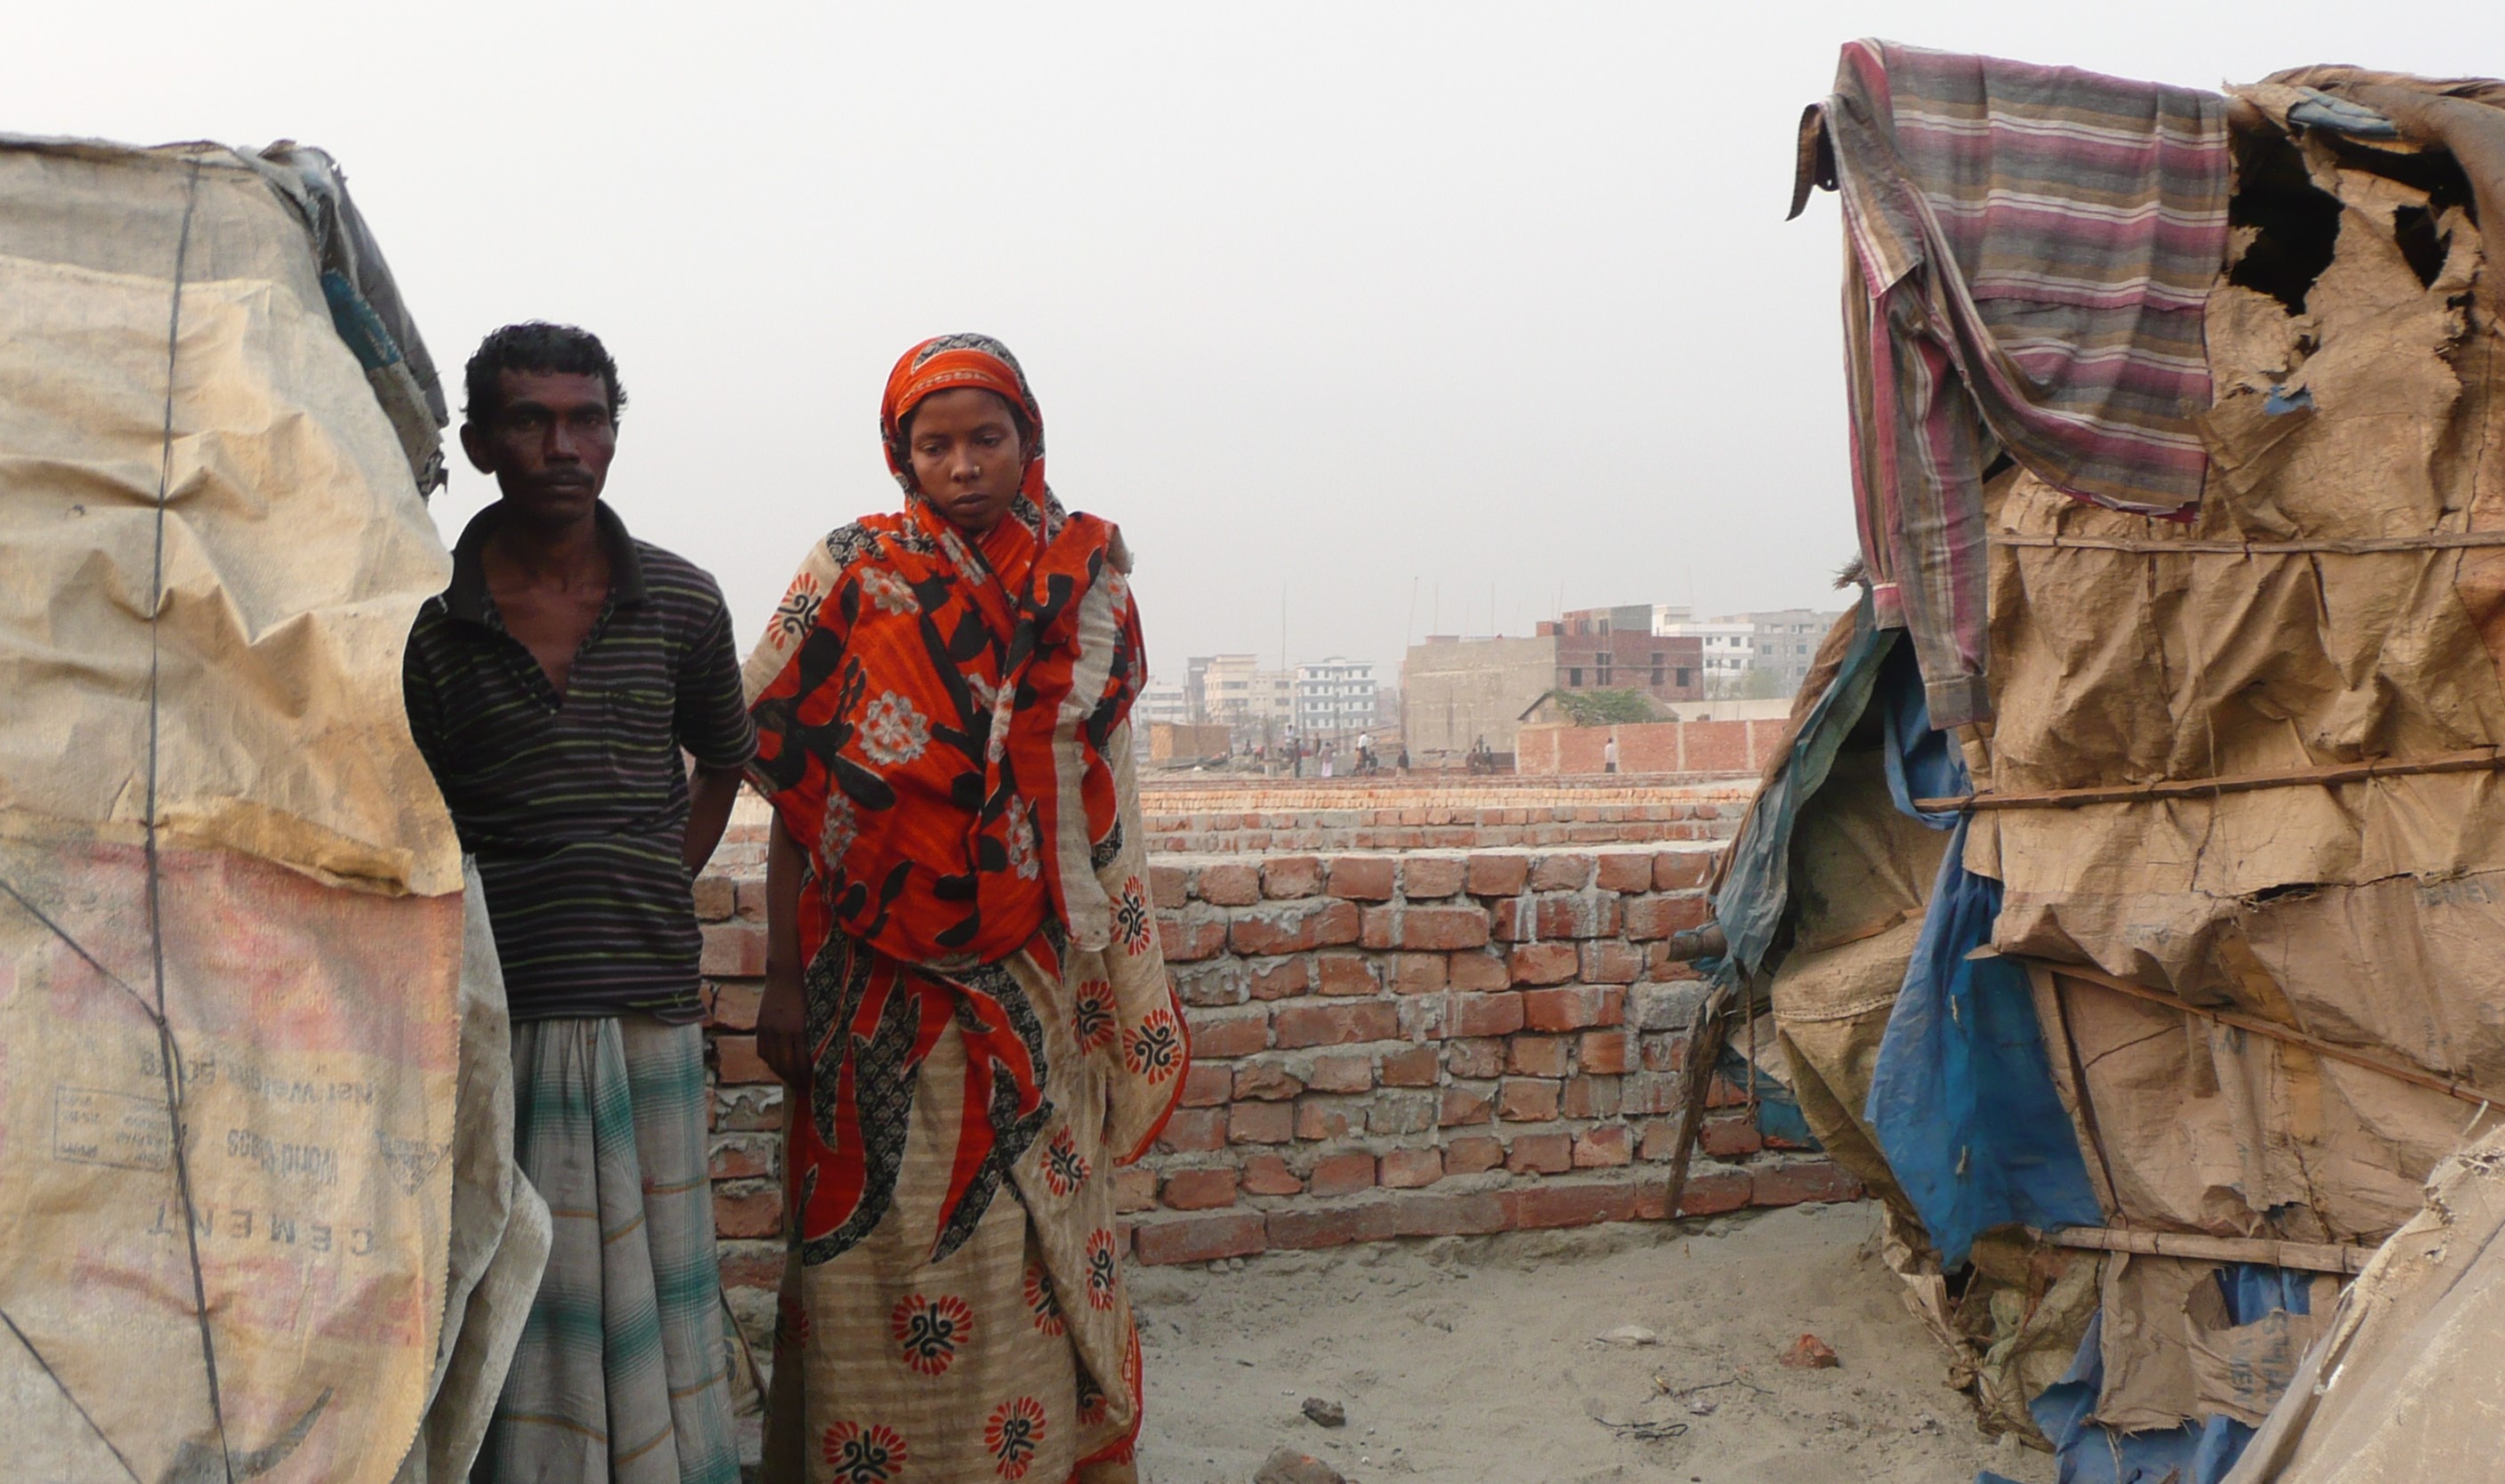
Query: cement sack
point(231, 1027)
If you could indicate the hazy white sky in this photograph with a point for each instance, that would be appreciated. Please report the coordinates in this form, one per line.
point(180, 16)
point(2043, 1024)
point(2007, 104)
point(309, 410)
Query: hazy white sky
point(1396, 314)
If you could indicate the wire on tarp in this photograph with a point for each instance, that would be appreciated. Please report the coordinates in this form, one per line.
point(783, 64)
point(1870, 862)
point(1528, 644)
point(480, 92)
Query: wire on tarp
point(167, 1052)
point(69, 1396)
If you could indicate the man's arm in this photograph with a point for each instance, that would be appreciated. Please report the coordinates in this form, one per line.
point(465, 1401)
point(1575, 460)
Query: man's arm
point(711, 791)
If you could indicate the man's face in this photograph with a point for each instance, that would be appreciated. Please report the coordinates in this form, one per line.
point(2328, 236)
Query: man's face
point(967, 456)
point(548, 444)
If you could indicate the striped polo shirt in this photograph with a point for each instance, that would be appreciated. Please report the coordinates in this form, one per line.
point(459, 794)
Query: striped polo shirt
point(576, 808)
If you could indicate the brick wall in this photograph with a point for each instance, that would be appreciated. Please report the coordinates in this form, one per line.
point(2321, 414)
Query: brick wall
point(1385, 1045)
point(1209, 814)
point(1546, 749)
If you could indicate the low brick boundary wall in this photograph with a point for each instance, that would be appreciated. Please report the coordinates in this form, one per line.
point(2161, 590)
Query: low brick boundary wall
point(1427, 1043)
point(1546, 748)
point(1215, 814)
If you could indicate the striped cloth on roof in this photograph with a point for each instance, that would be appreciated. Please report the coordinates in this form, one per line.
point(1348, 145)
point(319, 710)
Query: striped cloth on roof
point(2029, 253)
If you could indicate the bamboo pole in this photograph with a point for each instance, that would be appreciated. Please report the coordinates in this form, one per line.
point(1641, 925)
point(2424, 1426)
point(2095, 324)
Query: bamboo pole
point(2448, 1086)
point(2309, 1256)
point(1705, 1041)
point(2478, 760)
point(2432, 540)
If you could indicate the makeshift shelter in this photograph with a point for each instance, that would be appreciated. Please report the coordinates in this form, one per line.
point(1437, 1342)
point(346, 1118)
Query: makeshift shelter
point(2150, 994)
point(257, 1212)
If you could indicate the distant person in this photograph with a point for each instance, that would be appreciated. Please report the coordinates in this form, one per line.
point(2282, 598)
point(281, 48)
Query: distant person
point(963, 984)
point(1609, 755)
point(1326, 760)
point(1404, 760)
point(552, 688)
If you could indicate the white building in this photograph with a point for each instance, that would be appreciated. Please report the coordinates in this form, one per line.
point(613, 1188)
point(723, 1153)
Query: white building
point(1236, 692)
point(1161, 701)
point(1335, 697)
point(1759, 652)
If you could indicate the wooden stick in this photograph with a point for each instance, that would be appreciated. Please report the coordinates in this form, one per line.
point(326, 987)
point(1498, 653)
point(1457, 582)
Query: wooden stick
point(2432, 540)
point(2448, 1086)
point(2310, 1256)
point(1706, 1035)
point(2480, 760)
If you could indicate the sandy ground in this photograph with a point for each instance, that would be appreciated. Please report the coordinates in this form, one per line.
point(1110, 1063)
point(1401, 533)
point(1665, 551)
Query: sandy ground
point(1479, 1359)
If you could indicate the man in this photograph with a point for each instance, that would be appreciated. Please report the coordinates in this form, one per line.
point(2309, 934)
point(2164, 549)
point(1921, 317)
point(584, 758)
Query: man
point(553, 687)
point(1609, 754)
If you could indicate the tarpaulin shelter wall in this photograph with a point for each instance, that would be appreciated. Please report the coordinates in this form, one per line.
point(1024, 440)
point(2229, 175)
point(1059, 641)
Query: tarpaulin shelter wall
point(2338, 603)
point(257, 1206)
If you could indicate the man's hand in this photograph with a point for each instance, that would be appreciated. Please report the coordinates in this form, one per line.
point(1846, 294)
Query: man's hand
point(783, 1029)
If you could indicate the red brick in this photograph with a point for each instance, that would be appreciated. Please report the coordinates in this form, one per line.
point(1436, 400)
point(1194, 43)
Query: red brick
point(1269, 1175)
point(1196, 1130)
point(1666, 969)
point(1549, 1203)
point(1410, 1169)
point(1341, 1174)
point(734, 950)
point(1410, 1067)
point(715, 898)
point(1493, 876)
point(752, 1264)
point(1199, 1189)
point(1229, 884)
point(1681, 871)
point(731, 1007)
point(1313, 1227)
point(1429, 878)
point(1230, 1035)
point(1477, 970)
point(1710, 1192)
point(1540, 1154)
point(1623, 870)
point(1545, 963)
point(1285, 877)
point(1537, 1055)
point(1135, 1189)
point(1332, 1025)
point(1449, 1214)
point(1207, 1084)
point(1497, 1013)
point(1296, 928)
point(1202, 1238)
point(1482, 1057)
point(1169, 887)
point(1665, 1051)
point(1605, 1147)
point(1418, 974)
point(1318, 1120)
point(748, 1156)
point(1462, 1105)
point(1572, 1006)
point(1603, 1053)
point(1607, 961)
point(1556, 915)
point(1342, 1072)
point(1648, 918)
point(1562, 872)
point(1725, 1093)
point(1188, 940)
point(1266, 1081)
point(1650, 1092)
point(1259, 1123)
point(1281, 978)
point(1793, 1184)
point(1441, 930)
point(737, 1063)
point(1345, 973)
point(1589, 1097)
point(1473, 1155)
point(1729, 1138)
point(1526, 1100)
point(1364, 878)
point(752, 899)
point(748, 1209)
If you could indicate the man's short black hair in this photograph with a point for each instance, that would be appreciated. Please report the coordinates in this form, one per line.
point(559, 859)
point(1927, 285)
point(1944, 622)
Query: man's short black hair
point(535, 346)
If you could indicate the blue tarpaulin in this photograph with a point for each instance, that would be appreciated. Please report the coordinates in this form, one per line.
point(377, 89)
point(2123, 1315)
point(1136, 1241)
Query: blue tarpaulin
point(1962, 1098)
point(2199, 1451)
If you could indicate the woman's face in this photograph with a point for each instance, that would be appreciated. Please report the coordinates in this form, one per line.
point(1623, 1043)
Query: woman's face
point(967, 456)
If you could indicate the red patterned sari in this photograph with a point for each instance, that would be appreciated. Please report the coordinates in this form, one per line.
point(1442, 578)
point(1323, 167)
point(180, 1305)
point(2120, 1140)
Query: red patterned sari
point(944, 730)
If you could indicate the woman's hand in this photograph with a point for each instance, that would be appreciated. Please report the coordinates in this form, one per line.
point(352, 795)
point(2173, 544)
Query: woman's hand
point(782, 1030)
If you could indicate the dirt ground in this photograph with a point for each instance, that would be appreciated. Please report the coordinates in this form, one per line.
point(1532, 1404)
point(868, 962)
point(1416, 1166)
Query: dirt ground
point(1481, 1360)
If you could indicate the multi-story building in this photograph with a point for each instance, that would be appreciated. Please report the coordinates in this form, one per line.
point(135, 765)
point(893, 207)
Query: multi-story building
point(1335, 697)
point(1758, 654)
point(1236, 692)
point(1161, 701)
point(1617, 649)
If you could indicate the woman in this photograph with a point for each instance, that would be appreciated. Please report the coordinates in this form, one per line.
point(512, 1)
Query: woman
point(964, 986)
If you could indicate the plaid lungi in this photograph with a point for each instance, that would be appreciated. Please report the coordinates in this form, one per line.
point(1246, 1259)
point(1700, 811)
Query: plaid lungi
point(622, 1373)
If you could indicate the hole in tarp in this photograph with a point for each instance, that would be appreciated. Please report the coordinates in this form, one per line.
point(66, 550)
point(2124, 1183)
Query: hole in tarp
point(2414, 229)
point(2275, 892)
point(2297, 225)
